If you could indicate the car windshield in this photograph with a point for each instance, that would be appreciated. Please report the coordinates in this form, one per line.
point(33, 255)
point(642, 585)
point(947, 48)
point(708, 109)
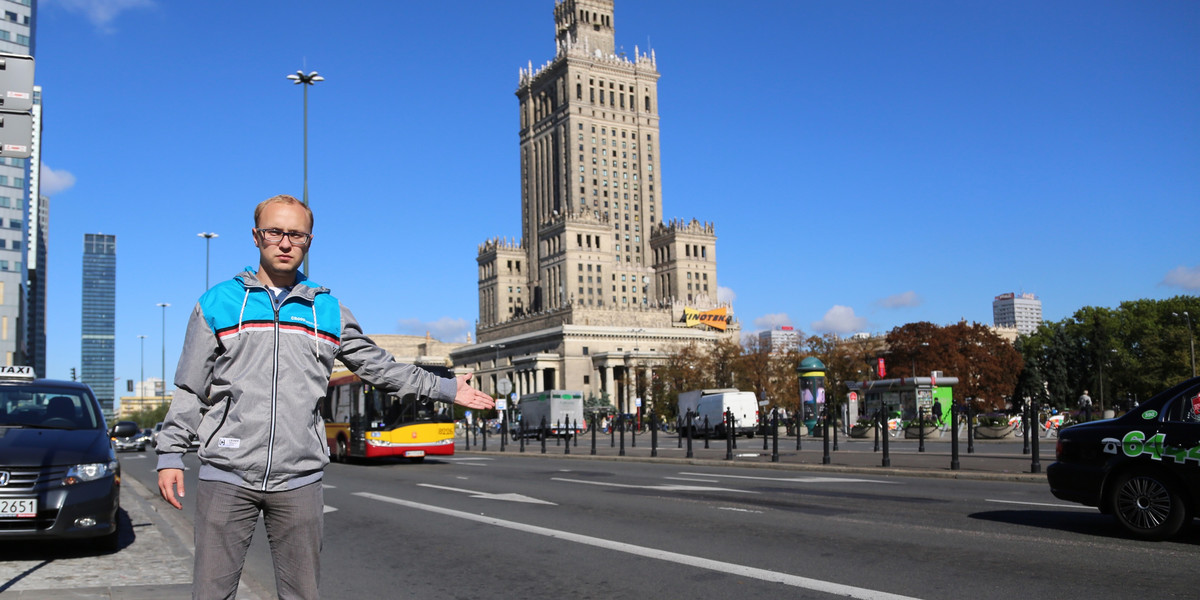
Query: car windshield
point(31, 406)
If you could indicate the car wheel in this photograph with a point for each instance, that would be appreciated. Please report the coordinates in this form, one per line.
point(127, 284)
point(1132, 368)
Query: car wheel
point(1147, 506)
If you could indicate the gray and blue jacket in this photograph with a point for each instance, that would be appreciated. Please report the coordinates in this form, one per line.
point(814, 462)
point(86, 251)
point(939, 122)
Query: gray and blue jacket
point(252, 375)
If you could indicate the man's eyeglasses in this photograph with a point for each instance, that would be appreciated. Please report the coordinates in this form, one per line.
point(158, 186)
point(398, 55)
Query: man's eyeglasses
point(274, 236)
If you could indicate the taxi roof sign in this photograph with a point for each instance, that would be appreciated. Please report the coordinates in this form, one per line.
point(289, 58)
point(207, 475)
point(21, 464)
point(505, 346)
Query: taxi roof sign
point(23, 372)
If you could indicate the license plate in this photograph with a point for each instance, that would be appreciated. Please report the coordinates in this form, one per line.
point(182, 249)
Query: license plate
point(20, 508)
point(414, 453)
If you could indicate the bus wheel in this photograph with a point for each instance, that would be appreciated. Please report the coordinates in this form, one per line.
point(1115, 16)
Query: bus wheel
point(341, 451)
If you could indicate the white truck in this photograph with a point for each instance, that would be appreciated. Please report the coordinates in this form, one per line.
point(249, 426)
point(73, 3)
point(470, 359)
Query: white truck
point(562, 409)
point(713, 403)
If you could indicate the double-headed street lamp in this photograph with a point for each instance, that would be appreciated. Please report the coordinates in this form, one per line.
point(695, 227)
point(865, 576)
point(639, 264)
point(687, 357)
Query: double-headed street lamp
point(164, 305)
point(1191, 339)
point(307, 81)
point(207, 240)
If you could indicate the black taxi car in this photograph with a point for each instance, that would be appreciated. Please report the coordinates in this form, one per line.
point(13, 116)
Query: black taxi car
point(59, 475)
point(1143, 467)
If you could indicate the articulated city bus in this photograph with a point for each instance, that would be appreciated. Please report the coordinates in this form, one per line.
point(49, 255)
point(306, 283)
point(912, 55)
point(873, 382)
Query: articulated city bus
point(363, 422)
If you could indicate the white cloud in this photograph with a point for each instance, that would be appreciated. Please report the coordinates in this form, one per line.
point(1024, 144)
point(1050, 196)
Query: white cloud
point(1187, 278)
point(101, 13)
point(725, 295)
point(840, 319)
point(444, 329)
point(906, 299)
point(772, 321)
point(54, 182)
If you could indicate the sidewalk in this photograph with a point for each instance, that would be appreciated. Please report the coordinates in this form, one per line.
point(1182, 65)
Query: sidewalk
point(992, 459)
point(153, 563)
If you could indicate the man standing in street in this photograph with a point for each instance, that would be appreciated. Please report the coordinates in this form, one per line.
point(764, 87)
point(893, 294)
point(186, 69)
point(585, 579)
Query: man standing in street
point(1085, 406)
point(257, 357)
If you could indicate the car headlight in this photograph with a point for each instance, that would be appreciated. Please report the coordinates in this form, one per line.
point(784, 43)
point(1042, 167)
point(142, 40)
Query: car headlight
point(89, 472)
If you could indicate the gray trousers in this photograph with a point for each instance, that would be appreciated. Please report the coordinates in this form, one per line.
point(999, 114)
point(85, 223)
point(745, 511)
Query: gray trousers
point(225, 519)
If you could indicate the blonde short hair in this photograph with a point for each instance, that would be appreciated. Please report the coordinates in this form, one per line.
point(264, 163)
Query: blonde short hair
point(282, 199)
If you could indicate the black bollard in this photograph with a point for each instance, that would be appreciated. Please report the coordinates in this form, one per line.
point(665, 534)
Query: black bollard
point(876, 419)
point(633, 434)
point(542, 434)
point(503, 429)
point(706, 436)
point(653, 434)
point(970, 428)
point(483, 430)
point(728, 435)
point(774, 436)
point(622, 453)
point(762, 418)
point(595, 419)
point(558, 430)
point(521, 433)
point(733, 428)
point(571, 433)
point(1025, 428)
point(612, 433)
point(921, 429)
point(825, 458)
point(688, 425)
point(575, 432)
point(1036, 465)
point(796, 422)
point(887, 458)
point(953, 436)
point(679, 431)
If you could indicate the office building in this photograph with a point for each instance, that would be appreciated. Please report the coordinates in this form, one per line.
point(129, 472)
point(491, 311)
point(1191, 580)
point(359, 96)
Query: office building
point(99, 311)
point(1022, 312)
point(598, 289)
point(780, 340)
point(16, 37)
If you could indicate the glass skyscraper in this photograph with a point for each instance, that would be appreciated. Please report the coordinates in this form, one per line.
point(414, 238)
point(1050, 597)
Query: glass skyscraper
point(99, 312)
point(17, 183)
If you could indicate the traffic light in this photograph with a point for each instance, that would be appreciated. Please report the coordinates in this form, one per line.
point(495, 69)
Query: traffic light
point(16, 105)
point(72, 373)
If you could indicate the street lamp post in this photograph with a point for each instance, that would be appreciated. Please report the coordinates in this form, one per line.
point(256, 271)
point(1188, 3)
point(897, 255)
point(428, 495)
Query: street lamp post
point(207, 240)
point(1191, 339)
point(307, 81)
point(142, 381)
point(163, 306)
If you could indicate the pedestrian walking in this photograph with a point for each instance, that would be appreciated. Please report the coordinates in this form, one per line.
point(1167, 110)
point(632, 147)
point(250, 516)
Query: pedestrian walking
point(257, 357)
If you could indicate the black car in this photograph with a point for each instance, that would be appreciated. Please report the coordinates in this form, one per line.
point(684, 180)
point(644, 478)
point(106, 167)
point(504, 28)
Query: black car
point(127, 436)
point(1143, 467)
point(59, 475)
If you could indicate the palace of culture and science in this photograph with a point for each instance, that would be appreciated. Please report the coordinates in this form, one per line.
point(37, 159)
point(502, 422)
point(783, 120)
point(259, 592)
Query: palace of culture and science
point(598, 290)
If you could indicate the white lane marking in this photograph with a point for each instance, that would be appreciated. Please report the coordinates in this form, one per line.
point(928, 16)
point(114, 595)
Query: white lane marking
point(745, 510)
point(691, 479)
point(665, 488)
point(327, 486)
point(487, 496)
point(329, 508)
point(807, 583)
point(467, 459)
point(795, 479)
point(1075, 506)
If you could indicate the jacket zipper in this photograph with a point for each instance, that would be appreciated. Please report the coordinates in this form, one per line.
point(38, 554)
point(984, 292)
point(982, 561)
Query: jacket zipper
point(274, 392)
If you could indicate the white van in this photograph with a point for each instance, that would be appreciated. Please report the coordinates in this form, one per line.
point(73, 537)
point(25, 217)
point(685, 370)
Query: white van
point(714, 403)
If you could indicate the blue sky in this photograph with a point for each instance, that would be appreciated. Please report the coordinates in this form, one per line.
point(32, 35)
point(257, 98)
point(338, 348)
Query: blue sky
point(867, 164)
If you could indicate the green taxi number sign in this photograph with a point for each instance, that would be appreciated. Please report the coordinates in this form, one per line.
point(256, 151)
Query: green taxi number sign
point(25, 507)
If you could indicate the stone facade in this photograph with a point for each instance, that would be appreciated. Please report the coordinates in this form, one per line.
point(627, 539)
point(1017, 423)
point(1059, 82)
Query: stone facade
point(592, 298)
